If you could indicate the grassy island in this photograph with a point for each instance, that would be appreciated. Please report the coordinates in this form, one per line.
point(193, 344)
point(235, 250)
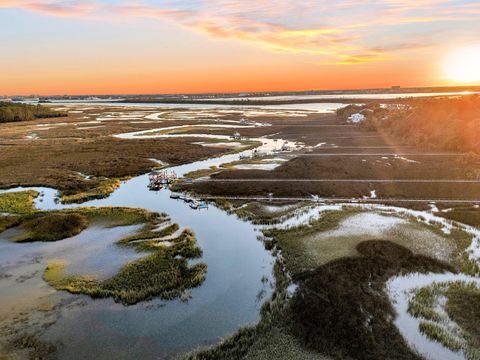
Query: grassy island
point(164, 273)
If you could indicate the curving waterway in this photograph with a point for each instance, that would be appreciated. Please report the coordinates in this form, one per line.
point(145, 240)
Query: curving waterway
point(230, 297)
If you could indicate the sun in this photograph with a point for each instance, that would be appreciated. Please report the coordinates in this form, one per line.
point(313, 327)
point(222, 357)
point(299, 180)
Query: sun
point(463, 65)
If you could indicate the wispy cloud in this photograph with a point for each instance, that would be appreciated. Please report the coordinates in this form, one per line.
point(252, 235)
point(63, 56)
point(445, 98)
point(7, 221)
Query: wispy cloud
point(53, 8)
point(343, 32)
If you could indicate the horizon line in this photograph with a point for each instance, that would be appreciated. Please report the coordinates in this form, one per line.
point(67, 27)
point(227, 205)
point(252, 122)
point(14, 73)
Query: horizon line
point(393, 87)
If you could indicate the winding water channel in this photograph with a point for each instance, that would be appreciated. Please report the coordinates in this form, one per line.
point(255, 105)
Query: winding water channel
point(229, 298)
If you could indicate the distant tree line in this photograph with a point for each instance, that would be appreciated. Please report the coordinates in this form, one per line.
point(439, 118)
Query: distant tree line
point(448, 123)
point(10, 112)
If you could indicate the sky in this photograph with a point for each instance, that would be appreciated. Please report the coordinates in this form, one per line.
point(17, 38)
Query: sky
point(184, 46)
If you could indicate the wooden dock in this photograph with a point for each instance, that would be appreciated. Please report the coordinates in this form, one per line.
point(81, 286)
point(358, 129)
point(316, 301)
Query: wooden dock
point(159, 179)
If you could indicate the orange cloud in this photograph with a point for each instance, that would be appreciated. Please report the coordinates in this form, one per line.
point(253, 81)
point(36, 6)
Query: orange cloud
point(335, 31)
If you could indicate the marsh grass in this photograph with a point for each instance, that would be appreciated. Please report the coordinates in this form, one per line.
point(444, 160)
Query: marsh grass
point(423, 303)
point(291, 241)
point(51, 227)
point(202, 172)
point(224, 204)
point(464, 215)
point(165, 273)
point(58, 225)
point(461, 241)
point(437, 333)
point(148, 237)
point(104, 188)
point(113, 216)
point(21, 202)
point(257, 214)
point(7, 222)
point(462, 299)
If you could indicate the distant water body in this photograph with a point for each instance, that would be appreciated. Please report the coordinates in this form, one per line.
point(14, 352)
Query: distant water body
point(344, 96)
point(321, 107)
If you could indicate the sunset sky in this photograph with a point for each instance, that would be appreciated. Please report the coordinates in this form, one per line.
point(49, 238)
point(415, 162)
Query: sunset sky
point(110, 46)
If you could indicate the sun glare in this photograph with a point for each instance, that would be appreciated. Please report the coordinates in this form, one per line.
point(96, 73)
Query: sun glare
point(463, 65)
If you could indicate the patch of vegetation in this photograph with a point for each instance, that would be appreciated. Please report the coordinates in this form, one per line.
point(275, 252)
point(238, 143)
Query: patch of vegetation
point(52, 227)
point(291, 241)
point(113, 216)
point(58, 225)
point(257, 214)
point(165, 273)
point(461, 241)
point(12, 112)
point(21, 202)
point(39, 349)
point(464, 215)
point(423, 303)
point(467, 265)
point(148, 238)
point(224, 204)
point(461, 307)
point(437, 333)
point(7, 222)
point(105, 187)
point(201, 172)
point(150, 232)
point(341, 309)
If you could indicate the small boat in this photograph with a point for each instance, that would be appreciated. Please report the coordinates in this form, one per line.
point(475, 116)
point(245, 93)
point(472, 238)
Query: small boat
point(194, 204)
point(203, 205)
point(174, 196)
point(155, 187)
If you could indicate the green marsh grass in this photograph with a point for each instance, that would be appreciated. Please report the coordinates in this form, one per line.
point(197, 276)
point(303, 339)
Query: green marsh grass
point(103, 190)
point(462, 299)
point(21, 202)
point(165, 273)
point(58, 225)
point(52, 227)
point(437, 333)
